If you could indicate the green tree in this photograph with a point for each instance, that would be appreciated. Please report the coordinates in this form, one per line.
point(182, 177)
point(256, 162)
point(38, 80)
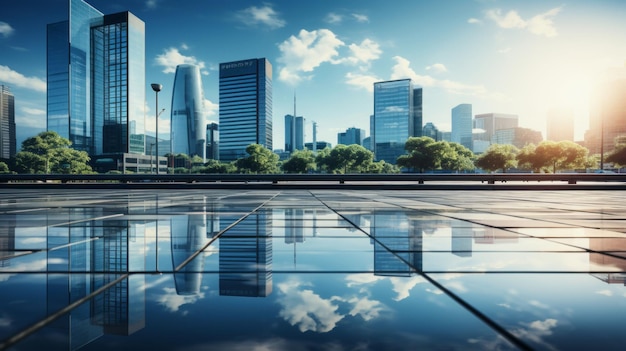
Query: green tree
point(345, 159)
point(4, 168)
point(457, 157)
point(618, 155)
point(423, 154)
point(382, 167)
point(48, 152)
point(528, 158)
point(301, 161)
point(498, 156)
point(215, 166)
point(260, 160)
point(562, 155)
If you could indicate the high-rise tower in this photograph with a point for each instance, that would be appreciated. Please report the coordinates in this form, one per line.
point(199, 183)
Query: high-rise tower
point(397, 117)
point(96, 82)
point(462, 125)
point(245, 107)
point(7, 123)
point(188, 126)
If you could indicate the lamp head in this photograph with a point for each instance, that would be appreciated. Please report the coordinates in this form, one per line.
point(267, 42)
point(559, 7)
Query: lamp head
point(156, 87)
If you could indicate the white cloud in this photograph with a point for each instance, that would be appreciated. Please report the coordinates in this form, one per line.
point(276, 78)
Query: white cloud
point(540, 24)
point(151, 4)
point(360, 18)
point(402, 70)
point(474, 21)
point(172, 57)
point(11, 77)
point(366, 308)
point(333, 18)
point(306, 52)
point(362, 80)
point(605, 292)
point(254, 16)
point(365, 52)
point(33, 111)
point(6, 29)
point(437, 67)
point(210, 108)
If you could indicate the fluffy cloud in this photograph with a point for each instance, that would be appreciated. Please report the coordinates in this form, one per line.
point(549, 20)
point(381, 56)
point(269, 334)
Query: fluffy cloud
point(173, 302)
point(172, 57)
point(5, 29)
point(437, 67)
point(474, 21)
point(365, 52)
point(306, 309)
point(362, 80)
point(303, 53)
point(210, 108)
point(11, 77)
point(333, 18)
point(540, 24)
point(402, 69)
point(264, 16)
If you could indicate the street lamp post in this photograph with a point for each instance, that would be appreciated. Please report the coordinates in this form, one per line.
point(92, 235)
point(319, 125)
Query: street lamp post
point(157, 87)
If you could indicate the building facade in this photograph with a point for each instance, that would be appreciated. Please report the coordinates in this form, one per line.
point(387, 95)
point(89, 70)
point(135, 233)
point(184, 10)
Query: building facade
point(96, 83)
point(212, 141)
point(351, 136)
point(462, 125)
point(245, 112)
point(431, 131)
point(560, 124)
point(397, 117)
point(492, 122)
point(294, 133)
point(607, 117)
point(188, 126)
point(7, 123)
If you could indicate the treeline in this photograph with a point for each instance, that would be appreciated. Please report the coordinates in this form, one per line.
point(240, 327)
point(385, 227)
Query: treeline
point(50, 153)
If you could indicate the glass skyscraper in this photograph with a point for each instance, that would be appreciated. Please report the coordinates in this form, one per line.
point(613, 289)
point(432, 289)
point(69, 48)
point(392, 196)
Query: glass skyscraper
point(245, 107)
point(397, 117)
point(7, 123)
point(188, 126)
point(294, 133)
point(96, 81)
point(462, 125)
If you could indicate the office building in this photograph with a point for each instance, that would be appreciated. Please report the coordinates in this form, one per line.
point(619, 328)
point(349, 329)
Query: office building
point(245, 113)
point(560, 124)
point(462, 125)
point(188, 126)
point(351, 136)
point(7, 123)
point(518, 137)
point(431, 131)
point(294, 133)
point(607, 114)
point(492, 122)
point(319, 145)
point(212, 141)
point(96, 85)
point(397, 117)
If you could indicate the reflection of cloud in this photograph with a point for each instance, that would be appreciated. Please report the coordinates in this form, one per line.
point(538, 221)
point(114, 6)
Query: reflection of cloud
point(5, 321)
point(538, 304)
point(307, 309)
point(276, 344)
point(173, 301)
point(402, 286)
point(34, 240)
point(536, 330)
point(605, 292)
point(366, 308)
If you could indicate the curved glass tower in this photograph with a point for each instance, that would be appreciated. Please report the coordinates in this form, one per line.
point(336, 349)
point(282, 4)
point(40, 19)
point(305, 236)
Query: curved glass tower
point(188, 126)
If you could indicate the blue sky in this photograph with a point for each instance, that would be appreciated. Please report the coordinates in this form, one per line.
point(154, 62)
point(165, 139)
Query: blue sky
point(519, 57)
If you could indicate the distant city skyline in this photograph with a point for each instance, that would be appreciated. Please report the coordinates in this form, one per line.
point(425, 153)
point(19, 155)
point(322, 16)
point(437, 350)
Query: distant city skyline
point(514, 57)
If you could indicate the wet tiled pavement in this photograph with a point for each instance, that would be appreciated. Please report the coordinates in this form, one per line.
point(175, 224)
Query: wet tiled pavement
point(312, 270)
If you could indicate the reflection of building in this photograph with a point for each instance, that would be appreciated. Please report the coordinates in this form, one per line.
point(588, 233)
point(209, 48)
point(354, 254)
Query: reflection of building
point(294, 228)
point(462, 241)
point(245, 107)
point(7, 123)
point(96, 84)
point(397, 117)
point(616, 247)
point(188, 236)
point(245, 260)
point(188, 128)
point(120, 308)
point(462, 125)
point(398, 244)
